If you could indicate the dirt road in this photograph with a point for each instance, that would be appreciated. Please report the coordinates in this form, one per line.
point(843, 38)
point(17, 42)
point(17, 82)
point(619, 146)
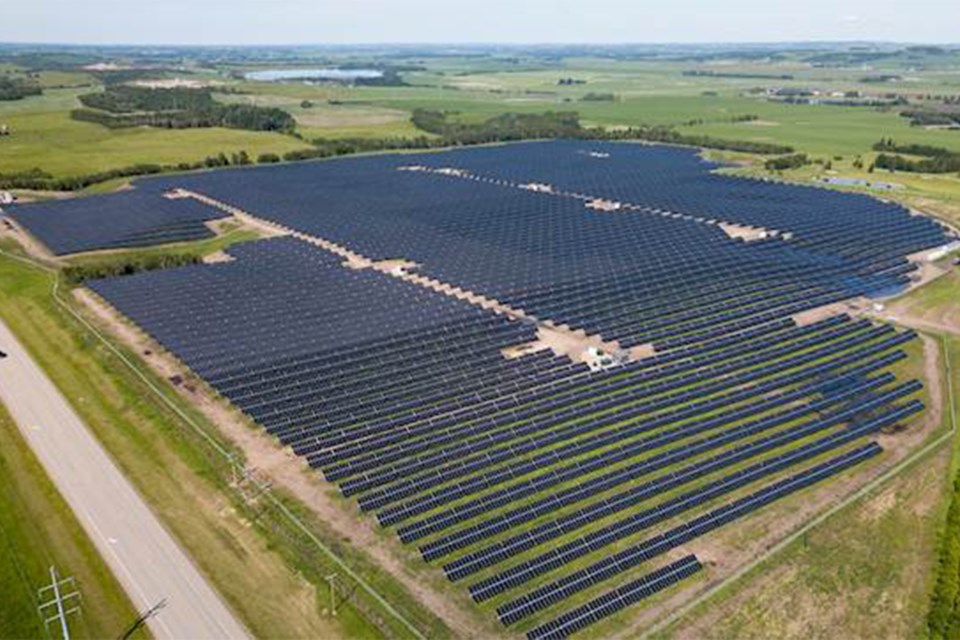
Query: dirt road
point(144, 557)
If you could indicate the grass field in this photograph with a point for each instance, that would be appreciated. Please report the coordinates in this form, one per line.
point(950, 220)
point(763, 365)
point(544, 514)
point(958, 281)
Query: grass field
point(231, 235)
point(64, 147)
point(184, 483)
point(38, 530)
point(44, 136)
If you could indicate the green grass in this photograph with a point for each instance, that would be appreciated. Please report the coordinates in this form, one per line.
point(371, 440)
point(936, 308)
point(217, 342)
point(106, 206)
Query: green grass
point(826, 130)
point(46, 137)
point(232, 235)
point(37, 530)
point(943, 295)
point(326, 120)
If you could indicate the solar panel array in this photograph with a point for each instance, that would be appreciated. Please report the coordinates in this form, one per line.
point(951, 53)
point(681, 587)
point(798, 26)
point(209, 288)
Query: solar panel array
point(559, 260)
point(138, 218)
point(513, 473)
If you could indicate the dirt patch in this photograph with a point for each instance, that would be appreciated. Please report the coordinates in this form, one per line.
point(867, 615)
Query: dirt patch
point(218, 257)
point(10, 228)
point(812, 316)
point(395, 267)
point(176, 83)
point(576, 345)
point(268, 229)
point(760, 123)
point(746, 233)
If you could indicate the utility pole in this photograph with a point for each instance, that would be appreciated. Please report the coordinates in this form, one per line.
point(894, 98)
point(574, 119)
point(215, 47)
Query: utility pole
point(60, 596)
point(142, 619)
point(331, 579)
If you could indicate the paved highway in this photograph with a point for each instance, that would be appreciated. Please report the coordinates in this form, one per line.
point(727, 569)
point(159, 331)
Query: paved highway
point(142, 554)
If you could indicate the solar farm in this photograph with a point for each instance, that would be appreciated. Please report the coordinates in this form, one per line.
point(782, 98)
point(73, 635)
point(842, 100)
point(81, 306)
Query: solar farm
point(549, 367)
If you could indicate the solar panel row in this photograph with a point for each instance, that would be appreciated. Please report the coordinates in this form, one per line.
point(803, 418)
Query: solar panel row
point(616, 600)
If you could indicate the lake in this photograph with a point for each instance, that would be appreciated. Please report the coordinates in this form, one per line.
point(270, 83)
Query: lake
point(273, 75)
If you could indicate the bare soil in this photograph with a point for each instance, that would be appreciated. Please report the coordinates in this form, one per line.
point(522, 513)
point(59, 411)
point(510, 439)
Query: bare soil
point(744, 232)
point(10, 228)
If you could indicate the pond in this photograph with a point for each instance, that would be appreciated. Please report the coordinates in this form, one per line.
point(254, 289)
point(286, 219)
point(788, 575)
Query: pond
point(275, 75)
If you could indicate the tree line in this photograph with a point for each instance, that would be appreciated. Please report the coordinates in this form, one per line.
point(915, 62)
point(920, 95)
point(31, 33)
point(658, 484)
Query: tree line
point(566, 124)
point(931, 118)
point(943, 618)
point(39, 180)
point(177, 108)
point(932, 160)
point(17, 88)
point(128, 265)
point(793, 161)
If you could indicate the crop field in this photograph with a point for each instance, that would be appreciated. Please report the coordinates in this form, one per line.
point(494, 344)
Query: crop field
point(45, 137)
point(556, 370)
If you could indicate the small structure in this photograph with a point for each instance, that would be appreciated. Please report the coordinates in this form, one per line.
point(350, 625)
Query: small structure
point(537, 187)
point(452, 171)
point(933, 256)
point(599, 204)
point(598, 358)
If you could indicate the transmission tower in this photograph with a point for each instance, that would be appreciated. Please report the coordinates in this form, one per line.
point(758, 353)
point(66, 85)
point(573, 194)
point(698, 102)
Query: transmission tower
point(58, 600)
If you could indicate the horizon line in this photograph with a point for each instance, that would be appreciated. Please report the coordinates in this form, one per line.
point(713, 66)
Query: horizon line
point(484, 43)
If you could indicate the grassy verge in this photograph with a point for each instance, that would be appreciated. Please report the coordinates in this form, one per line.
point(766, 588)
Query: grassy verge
point(102, 264)
point(38, 530)
point(242, 548)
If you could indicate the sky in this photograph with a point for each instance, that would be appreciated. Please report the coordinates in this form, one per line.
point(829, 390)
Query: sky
point(487, 21)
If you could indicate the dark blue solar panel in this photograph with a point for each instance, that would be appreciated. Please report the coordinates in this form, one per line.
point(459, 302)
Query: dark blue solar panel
point(137, 218)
